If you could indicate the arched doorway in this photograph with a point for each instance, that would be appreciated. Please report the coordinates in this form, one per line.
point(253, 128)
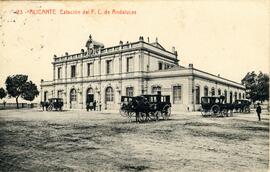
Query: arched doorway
point(73, 98)
point(90, 98)
point(109, 98)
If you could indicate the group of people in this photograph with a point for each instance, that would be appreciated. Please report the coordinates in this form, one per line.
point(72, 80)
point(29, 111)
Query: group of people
point(91, 105)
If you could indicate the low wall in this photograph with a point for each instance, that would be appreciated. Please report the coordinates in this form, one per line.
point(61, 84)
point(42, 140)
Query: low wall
point(14, 105)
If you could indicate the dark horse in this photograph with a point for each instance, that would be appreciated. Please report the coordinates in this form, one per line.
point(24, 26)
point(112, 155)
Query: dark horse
point(141, 107)
point(44, 104)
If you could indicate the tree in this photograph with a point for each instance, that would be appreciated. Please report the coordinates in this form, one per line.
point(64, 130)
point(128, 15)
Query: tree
point(3, 93)
point(263, 87)
point(18, 86)
point(257, 86)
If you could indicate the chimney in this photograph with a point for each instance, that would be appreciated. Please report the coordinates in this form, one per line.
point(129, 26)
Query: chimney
point(156, 39)
point(148, 40)
point(173, 49)
point(141, 38)
point(66, 53)
point(190, 66)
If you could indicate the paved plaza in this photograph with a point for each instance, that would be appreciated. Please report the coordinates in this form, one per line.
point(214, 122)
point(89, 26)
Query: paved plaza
point(33, 140)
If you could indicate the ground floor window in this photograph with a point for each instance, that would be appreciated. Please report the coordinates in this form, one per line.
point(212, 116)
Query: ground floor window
point(240, 96)
point(176, 94)
point(109, 94)
point(155, 89)
point(231, 95)
point(197, 90)
point(225, 95)
point(213, 92)
point(73, 95)
point(59, 94)
point(219, 92)
point(129, 91)
point(235, 96)
point(205, 91)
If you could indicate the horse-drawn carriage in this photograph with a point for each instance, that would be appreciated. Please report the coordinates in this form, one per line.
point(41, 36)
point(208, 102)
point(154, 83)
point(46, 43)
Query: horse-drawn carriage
point(146, 107)
point(215, 106)
point(53, 104)
point(242, 106)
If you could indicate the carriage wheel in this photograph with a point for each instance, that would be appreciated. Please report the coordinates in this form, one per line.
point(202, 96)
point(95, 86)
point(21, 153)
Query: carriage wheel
point(130, 114)
point(157, 115)
point(166, 112)
point(50, 108)
point(123, 112)
point(247, 109)
point(215, 109)
point(152, 115)
point(225, 112)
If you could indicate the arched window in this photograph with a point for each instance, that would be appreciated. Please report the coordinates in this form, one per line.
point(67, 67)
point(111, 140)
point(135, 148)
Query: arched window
point(231, 97)
point(219, 92)
point(225, 95)
point(244, 96)
point(197, 89)
point(213, 91)
point(109, 94)
point(235, 96)
point(155, 89)
point(240, 96)
point(205, 91)
point(73, 95)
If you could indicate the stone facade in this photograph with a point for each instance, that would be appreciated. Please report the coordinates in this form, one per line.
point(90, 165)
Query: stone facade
point(131, 69)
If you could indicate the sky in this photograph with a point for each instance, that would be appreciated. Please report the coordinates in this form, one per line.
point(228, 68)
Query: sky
point(224, 37)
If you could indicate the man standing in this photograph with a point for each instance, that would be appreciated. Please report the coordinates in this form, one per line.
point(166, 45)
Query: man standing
point(259, 110)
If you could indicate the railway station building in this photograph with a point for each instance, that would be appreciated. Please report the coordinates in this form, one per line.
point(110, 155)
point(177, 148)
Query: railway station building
point(132, 68)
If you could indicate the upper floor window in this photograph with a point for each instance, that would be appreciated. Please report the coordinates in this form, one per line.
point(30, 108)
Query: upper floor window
point(129, 91)
point(73, 71)
point(108, 66)
point(90, 69)
point(130, 64)
point(160, 65)
point(59, 73)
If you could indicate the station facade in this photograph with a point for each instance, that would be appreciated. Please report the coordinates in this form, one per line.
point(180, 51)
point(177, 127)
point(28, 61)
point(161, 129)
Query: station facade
point(132, 68)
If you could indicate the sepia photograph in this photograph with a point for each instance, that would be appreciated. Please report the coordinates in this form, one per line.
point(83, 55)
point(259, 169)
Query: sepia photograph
point(134, 85)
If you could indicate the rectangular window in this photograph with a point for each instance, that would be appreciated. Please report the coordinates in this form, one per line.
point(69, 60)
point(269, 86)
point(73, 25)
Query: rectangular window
point(59, 94)
point(160, 65)
point(73, 71)
point(108, 66)
point(130, 64)
point(90, 69)
point(197, 95)
point(59, 73)
point(176, 94)
point(129, 91)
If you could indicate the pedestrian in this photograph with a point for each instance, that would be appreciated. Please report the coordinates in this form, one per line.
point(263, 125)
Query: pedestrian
point(259, 110)
point(95, 104)
point(4, 103)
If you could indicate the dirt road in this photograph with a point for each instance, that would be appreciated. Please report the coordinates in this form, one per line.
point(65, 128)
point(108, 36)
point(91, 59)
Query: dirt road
point(32, 140)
